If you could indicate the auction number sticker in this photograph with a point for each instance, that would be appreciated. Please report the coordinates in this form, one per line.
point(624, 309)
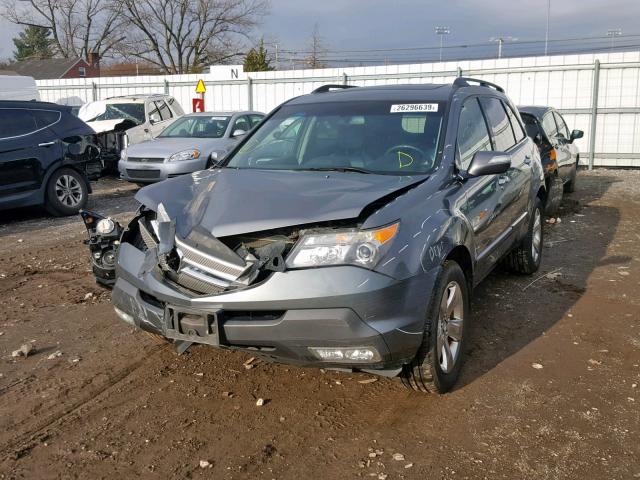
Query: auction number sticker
point(414, 107)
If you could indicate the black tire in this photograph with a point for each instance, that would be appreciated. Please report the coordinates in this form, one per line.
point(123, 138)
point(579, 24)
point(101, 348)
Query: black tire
point(66, 192)
point(570, 186)
point(523, 258)
point(554, 196)
point(426, 372)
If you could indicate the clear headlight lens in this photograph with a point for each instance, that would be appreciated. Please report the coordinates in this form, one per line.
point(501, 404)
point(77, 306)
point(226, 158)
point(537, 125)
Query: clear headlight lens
point(105, 226)
point(185, 155)
point(342, 247)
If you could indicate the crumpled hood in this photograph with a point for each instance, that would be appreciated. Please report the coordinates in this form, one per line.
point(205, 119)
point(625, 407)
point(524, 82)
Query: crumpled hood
point(234, 201)
point(102, 126)
point(164, 147)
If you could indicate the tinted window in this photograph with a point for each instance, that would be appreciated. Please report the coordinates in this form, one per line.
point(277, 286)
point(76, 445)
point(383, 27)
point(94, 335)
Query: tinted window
point(255, 119)
point(501, 131)
point(472, 133)
point(45, 118)
point(241, 123)
point(197, 126)
point(549, 126)
point(531, 125)
point(562, 127)
point(515, 123)
point(164, 110)
point(16, 122)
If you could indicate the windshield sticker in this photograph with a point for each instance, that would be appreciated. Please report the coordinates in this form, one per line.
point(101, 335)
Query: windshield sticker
point(414, 107)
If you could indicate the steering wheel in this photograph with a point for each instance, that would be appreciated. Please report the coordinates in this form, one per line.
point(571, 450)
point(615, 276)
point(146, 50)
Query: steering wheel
point(405, 159)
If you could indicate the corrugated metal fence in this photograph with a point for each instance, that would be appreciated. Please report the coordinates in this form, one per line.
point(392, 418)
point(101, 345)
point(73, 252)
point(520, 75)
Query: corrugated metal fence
point(604, 87)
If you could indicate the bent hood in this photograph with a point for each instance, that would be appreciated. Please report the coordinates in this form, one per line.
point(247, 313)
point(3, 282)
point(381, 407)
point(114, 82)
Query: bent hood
point(234, 201)
point(102, 126)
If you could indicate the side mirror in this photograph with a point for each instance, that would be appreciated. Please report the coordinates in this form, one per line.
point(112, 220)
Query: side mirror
point(489, 163)
point(238, 133)
point(576, 134)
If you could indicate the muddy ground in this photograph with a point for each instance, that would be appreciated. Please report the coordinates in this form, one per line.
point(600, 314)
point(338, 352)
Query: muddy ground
point(115, 403)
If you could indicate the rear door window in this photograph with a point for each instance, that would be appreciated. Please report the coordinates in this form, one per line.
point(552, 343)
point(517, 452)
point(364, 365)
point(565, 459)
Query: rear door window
point(255, 119)
point(473, 135)
point(16, 123)
point(241, 123)
point(501, 131)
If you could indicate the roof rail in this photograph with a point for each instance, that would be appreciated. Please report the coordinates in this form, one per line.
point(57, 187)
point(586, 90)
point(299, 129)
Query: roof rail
point(329, 87)
point(465, 82)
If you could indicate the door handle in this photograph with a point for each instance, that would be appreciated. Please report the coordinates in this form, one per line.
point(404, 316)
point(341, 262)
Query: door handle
point(503, 180)
point(46, 144)
point(527, 159)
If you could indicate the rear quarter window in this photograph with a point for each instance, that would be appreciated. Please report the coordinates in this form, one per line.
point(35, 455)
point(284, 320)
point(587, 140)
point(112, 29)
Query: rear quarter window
point(46, 118)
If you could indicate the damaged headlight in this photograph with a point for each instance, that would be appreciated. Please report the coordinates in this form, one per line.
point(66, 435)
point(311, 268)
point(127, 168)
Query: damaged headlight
point(105, 226)
point(185, 155)
point(343, 247)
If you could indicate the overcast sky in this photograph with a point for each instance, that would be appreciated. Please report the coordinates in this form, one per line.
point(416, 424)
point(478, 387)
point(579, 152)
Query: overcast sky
point(375, 24)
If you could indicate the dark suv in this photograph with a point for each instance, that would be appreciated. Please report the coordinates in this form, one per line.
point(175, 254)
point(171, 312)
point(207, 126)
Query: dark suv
point(46, 156)
point(347, 231)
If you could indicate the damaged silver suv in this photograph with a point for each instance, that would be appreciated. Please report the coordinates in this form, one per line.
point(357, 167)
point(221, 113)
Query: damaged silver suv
point(348, 230)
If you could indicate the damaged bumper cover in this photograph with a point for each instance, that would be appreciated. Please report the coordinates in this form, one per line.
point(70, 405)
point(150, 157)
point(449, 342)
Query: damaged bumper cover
point(288, 317)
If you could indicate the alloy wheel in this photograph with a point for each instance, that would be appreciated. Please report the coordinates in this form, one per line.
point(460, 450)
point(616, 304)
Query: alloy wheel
point(68, 191)
point(449, 330)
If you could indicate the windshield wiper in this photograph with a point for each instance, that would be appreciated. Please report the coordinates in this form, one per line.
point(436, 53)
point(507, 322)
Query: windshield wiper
point(338, 169)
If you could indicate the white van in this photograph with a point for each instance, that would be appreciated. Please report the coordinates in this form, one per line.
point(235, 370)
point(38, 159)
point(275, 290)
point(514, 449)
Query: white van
point(16, 87)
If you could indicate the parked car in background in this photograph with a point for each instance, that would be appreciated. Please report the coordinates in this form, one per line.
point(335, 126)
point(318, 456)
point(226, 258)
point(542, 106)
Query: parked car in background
point(127, 120)
point(46, 157)
point(560, 156)
point(193, 142)
point(346, 231)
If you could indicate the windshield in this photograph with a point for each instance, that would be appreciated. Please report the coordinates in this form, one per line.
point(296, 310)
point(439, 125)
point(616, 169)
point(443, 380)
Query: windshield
point(398, 138)
point(115, 111)
point(200, 126)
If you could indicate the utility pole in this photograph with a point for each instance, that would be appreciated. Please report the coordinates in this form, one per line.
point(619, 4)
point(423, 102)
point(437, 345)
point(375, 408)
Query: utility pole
point(616, 32)
point(277, 65)
point(442, 31)
point(546, 36)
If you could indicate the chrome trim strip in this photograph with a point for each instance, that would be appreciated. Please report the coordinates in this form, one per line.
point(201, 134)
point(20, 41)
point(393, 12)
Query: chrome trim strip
point(519, 219)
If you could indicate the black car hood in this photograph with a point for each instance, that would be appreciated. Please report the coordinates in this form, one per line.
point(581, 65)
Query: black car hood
point(234, 201)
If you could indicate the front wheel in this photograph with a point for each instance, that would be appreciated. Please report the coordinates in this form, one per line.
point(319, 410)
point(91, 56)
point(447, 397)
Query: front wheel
point(437, 364)
point(526, 257)
point(66, 192)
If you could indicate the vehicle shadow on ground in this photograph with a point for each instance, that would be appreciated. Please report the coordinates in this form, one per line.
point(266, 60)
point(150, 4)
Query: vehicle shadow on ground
point(509, 312)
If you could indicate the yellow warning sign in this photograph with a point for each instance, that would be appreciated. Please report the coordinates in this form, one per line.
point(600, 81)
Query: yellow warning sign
point(200, 88)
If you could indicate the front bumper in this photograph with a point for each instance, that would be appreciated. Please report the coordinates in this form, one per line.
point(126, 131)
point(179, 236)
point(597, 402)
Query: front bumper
point(151, 172)
point(291, 311)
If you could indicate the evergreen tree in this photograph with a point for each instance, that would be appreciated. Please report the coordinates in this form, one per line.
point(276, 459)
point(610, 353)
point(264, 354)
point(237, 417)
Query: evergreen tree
point(257, 59)
point(33, 42)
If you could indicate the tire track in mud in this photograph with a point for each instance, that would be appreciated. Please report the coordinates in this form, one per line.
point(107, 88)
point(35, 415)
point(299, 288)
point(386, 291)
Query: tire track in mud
point(23, 443)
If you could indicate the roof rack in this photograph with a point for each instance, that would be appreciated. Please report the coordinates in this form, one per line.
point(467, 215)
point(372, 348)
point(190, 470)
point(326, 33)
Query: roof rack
point(329, 87)
point(465, 82)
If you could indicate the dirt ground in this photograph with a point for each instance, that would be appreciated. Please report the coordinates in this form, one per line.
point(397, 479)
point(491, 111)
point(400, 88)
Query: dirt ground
point(549, 389)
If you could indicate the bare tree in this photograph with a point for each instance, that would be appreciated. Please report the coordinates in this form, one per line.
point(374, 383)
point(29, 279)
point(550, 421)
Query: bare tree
point(182, 36)
point(316, 50)
point(78, 27)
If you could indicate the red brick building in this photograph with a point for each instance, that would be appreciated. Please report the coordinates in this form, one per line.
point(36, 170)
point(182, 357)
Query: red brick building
point(54, 68)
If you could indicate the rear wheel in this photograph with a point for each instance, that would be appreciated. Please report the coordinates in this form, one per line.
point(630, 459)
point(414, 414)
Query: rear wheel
point(66, 192)
point(437, 364)
point(526, 257)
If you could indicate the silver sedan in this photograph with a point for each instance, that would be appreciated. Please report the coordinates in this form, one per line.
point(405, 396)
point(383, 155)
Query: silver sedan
point(191, 143)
